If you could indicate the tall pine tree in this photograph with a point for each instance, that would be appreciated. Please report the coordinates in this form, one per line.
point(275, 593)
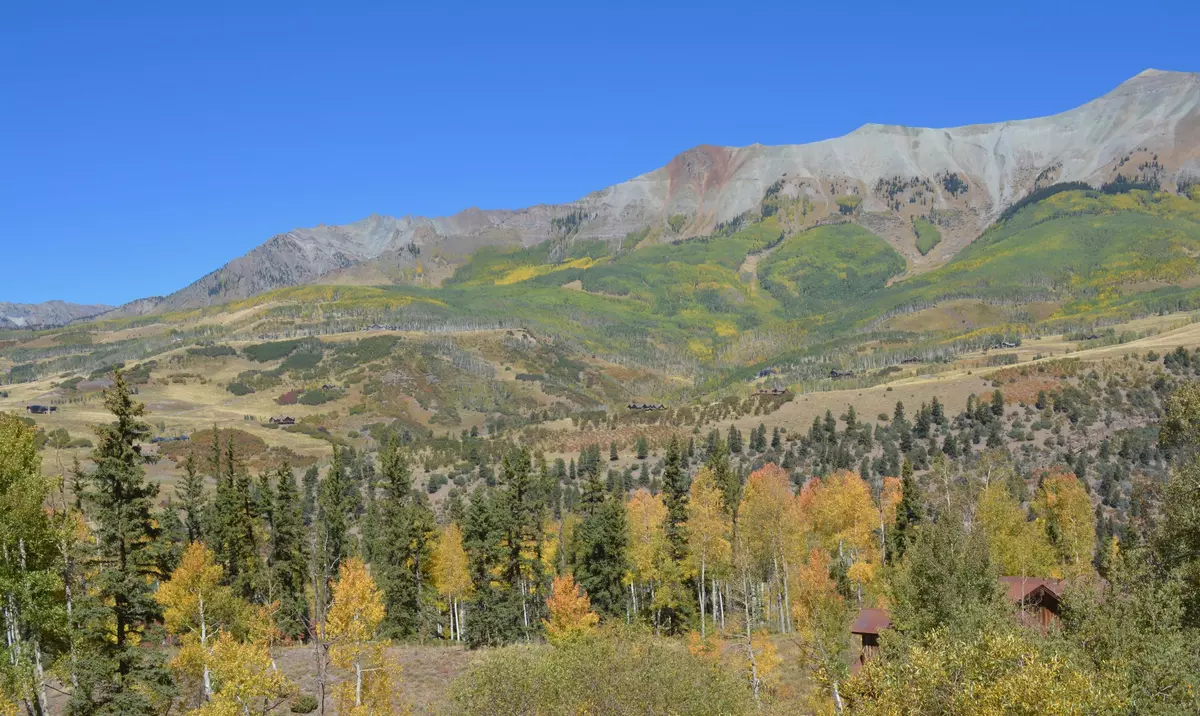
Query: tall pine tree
point(404, 537)
point(120, 676)
point(287, 559)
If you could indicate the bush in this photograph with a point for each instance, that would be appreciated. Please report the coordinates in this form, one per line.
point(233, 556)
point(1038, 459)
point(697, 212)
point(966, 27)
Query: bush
point(303, 360)
point(615, 671)
point(289, 398)
point(240, 389)
point(318, 396)
point(304, 704)
point(263, 352)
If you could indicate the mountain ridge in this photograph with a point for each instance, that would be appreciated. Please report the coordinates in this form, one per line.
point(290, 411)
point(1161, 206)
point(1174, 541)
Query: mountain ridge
point(47, 313)
point(963, 176)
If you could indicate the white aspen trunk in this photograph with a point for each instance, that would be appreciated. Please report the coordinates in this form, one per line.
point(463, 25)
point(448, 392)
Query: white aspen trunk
point(204, 648)
point(837, 697)
point(358, 681)
point(700, 595)
point(462, 615)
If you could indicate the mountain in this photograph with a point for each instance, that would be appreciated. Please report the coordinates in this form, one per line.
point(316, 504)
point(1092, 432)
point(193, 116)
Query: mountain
point(50, 313)
point(892, 180)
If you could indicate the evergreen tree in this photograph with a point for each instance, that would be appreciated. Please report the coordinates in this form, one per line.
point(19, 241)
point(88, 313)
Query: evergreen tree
point(612, 451)
point(734, 442)
point(599, 548)
point(233, 526)
point(332, 519)
point(192, 498)
point(642, 447)
point(909, 514)
point(938, 412)
point(119, 676)
point(493, 614)
point(309, 504)
point(725, 478)
point(404, 542)
point(675, 497)
point(997, 403)
point(777, 440)
point(288, 558)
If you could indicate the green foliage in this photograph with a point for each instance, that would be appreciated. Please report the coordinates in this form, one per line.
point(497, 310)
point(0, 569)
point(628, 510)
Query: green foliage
point(318, 396)
point(239, 389)
point(403, 542)
point(612, 672)
point(848, 203)
point(928, 235)
point(303, 704)
point(264, 352)
point(828, 265)
point(301, 361)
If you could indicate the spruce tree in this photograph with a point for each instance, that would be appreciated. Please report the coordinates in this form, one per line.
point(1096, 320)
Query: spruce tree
point(675, 497)
point(332, 519)
point(404, 537)
point(288, 559)
point(909, 513)
point(120, 677)
point(192, 499)
point(309, 503)
point(734, 442)
point(599, 548)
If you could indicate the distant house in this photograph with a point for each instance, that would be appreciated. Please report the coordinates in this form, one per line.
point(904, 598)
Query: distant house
point(772, 391)
point(1038, 601)
point(285, 420)
point(646, 406)
point(41, 409)
point(841, 373)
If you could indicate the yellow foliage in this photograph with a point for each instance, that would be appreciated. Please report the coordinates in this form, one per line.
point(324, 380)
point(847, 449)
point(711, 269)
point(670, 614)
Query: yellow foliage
point(352, 631)
point(844, 520)
point(1064, 508)
point(1018, 546)
point(647, 543)
point(709, 526)
point(571, 614)
point(450, 564)
point(245, 679)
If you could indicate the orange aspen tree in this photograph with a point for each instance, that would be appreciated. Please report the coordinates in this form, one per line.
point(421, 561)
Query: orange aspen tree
point(571, 614)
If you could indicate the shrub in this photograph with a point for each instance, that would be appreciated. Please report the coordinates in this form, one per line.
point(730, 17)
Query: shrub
point(304, 704)
point(240, 389)
point(289, 398)
point(263, 352)
point(848, 203)
point(615, 671)
point(318, 396)
point(303, 360)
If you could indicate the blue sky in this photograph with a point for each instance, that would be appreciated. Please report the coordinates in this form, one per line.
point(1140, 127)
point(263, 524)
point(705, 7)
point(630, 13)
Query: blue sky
point(144, 145)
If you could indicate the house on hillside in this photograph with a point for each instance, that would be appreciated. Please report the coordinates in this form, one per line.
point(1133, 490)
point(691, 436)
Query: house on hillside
point(285, 420)
point(1038, 601)
point(41, 409)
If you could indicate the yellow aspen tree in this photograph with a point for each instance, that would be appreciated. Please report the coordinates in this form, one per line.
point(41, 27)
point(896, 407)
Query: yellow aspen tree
point(1019, 547)
point(352, 631)
point(822, 618)
point(843, 520)
point(451, 575)
point(245, 679)
point(647, 544)
point(571, 614)
point(1065, 510)
point(771, 533)
point(709, 529)
point(196, 606)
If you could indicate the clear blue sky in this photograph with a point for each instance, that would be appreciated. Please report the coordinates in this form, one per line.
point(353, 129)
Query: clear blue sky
point(144, 145)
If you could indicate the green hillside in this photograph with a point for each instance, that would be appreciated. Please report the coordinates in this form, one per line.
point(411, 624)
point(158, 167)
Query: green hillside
point(710, 310)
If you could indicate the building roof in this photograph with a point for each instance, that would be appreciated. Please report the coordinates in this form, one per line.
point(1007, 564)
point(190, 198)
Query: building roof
point(871, 621)
point(1021, 588)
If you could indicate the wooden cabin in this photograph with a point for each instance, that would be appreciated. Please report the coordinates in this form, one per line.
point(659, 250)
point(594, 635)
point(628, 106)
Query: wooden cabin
point(1038, 601)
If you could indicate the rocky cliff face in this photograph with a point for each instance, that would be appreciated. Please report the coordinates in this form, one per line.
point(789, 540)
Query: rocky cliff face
point(50, 313)
point(882, 176)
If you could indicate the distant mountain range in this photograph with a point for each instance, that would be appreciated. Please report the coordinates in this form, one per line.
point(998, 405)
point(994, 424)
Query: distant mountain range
point(50, 313)
point(883, 177)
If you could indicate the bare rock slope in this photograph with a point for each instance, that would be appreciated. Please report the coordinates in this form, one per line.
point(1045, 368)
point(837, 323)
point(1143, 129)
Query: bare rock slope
point(49, 313)
point(883, 176)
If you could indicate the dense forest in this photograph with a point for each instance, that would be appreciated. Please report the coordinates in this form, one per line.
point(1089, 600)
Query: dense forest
point(721, 576)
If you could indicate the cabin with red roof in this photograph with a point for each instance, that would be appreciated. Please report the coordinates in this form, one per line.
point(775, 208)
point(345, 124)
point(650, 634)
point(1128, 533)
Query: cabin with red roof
point(1038, 601)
